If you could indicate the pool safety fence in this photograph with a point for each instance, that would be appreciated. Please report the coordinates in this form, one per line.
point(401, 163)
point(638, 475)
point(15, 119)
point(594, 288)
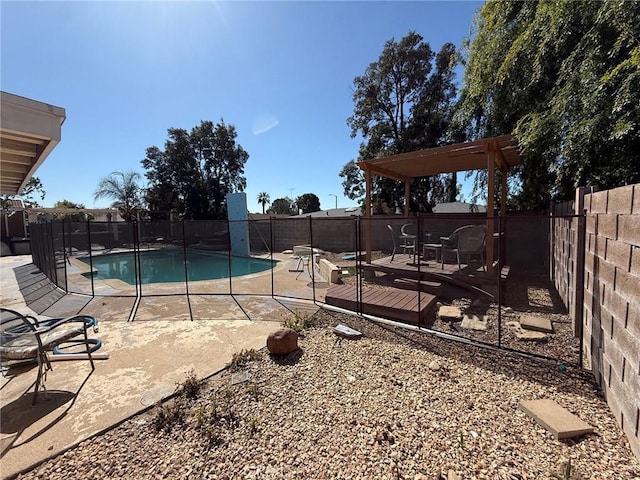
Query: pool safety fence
point(501, 290)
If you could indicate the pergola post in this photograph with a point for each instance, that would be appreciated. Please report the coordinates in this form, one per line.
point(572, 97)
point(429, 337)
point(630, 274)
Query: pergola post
point(503, 216)
point(367, 215)
point(407, 186)
point(491, 177)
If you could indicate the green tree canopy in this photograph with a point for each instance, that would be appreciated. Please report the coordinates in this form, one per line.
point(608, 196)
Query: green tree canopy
point(282, 206)
point(32, 189)
point(263, 199)
point(563, 77)
point(72, 216)
point(124, 190)
point(308, 202)
point(403, 102)
point(195, 171)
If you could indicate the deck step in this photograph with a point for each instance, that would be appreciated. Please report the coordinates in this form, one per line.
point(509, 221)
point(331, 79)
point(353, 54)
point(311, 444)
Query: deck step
point(431, 287)
point(392, 303)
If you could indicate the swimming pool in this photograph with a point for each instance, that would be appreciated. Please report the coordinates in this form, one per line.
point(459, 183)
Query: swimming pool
point(161, 266)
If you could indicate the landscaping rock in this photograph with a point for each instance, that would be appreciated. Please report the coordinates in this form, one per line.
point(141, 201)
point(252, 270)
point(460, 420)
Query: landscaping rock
point(449, 313)
point(531, 335)
point(453, 476)
point(558, 420)
point(283, 341)
point(475, 322)
point(307, 421)
point(539, 324)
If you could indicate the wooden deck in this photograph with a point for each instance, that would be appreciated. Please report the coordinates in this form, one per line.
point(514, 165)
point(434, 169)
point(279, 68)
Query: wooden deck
point(471, 276)
point(392, 303)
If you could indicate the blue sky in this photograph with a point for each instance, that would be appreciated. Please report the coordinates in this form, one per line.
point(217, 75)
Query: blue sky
point(281, 72)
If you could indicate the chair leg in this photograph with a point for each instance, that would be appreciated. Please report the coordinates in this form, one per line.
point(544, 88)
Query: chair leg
point(41, 373)
point(86, 340)
point(458, 257)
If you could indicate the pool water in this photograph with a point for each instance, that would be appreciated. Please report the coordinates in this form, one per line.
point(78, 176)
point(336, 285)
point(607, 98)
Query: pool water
point(168, 266)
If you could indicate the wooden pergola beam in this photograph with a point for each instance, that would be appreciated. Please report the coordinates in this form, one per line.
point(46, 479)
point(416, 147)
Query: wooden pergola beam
point(383, 172)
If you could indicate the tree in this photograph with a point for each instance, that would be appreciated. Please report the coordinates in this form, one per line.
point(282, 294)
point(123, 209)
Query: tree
point(563, 77)
point(309, 202)
point(282, 206)
point(123, 189)
point(402, 103)
point(263, 199)
point(28, 195)
point(71, 216)
point(195, 171)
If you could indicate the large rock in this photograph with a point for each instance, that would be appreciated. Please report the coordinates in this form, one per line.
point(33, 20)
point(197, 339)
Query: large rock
point(283, 341)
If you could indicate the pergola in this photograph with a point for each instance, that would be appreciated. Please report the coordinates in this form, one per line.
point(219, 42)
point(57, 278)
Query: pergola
point(489, 153)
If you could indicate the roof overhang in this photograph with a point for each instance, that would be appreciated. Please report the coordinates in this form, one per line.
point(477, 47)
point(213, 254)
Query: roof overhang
point(450, 158)
point(29, 131)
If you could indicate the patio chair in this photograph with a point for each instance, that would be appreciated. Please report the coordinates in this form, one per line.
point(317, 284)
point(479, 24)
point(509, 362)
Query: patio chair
point(23, 337)
point(467, 240)
point(405, 242)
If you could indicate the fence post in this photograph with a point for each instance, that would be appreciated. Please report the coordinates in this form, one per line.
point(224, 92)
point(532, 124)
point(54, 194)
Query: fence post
point(90, 258)
point(579, 264)
point(271, 254)
point(358, 272)
point(311, 261)
point(64, 258)
point(229, 256)
point(500, 264)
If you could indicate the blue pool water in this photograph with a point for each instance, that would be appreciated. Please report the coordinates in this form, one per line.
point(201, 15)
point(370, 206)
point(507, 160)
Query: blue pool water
point(160, 266)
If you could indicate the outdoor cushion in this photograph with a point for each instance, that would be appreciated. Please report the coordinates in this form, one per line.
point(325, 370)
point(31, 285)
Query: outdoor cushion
point(25, 345)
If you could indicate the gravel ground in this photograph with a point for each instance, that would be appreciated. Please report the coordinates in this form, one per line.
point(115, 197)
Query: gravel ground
point(526, 293)
point(394, 404)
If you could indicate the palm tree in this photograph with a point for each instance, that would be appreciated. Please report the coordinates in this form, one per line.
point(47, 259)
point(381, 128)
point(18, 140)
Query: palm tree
point(123, 188)
point(263, 198)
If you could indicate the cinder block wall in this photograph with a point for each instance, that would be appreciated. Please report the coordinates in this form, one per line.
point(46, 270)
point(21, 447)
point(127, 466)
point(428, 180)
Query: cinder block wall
point(563, 253)
point(611, 331)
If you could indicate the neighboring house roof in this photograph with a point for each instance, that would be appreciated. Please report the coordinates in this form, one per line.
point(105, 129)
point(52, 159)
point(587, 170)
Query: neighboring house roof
point(458, 207)
point(335, 212)
point(16, 204)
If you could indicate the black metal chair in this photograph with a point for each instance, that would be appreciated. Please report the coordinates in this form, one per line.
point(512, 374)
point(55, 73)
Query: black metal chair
point(23, 337)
